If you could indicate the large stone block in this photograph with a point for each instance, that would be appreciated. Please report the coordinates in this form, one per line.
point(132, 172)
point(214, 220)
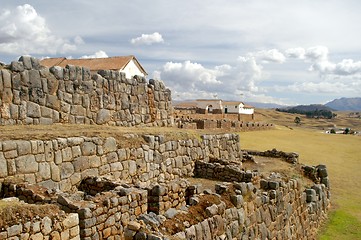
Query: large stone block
point(7, 95)
point(71, 220)
point(88, 148)
point(77, 110)
point(67, 154)
point(26, 60)
point(3, 166)
point(81, 164)
point(55, 172)
point(33, 110)
point(14, 111)
point(6, 77)
point(52, 102)
point(44, 170)
point(110, 145)
point(24, 147)
point(103, 116)
point(17, 66)
point(26, 164)
point(57, 71)
point(35, 79)
point(66, 170)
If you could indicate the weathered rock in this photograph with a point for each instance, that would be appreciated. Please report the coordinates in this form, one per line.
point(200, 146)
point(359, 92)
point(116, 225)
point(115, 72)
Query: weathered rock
point(88, 148)
point(158, 190)
point(17, 66)
point(110, 145)
point(3, 166)
point(237, 200)
point(212, 210)
point(26, 164)
point(33, 110)
point(171, 213)
point(103, 116)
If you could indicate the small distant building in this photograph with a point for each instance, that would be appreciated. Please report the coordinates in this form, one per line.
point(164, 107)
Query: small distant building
point(237, 107)
point(126, 64)
point(218, 106)
point(209, 106)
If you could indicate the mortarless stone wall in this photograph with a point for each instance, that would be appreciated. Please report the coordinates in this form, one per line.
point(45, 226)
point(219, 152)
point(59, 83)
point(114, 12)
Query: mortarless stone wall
point(33, 94)
point(63, 163)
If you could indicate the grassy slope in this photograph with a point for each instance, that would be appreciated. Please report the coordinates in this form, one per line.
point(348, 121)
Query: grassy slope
point(341, 154)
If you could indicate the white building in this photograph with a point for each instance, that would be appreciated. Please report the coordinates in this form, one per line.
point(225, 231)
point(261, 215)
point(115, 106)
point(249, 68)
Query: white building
point(218, 106)
point(126, 64)
point(236, 107)
point(209, 105)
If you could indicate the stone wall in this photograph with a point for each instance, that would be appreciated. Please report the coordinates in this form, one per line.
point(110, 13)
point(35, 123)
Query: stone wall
point(195, 114)
point(225, 124)
point(223, 172)
point(64, 226)
point(162, 197)
point(108, 214)
point(290, 157)
point(63, 163)
point(281, 213)
point(33, 94)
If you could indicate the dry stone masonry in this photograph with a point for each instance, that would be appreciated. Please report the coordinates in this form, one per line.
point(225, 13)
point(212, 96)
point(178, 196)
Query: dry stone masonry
point(102, 189)
point(128, 193)
point(33, 94)
point(162, 197)
point(281, 213)
point(222, 124)
point(63, 163)
point(225, 172)
point(45, 228)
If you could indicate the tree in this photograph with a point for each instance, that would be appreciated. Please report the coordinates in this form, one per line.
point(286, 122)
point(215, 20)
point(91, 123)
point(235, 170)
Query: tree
point(297, 120)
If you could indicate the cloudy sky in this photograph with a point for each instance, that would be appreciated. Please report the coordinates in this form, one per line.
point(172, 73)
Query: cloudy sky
point(280, 51)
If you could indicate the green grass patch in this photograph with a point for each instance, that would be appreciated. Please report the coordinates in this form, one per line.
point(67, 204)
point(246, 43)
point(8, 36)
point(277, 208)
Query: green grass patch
point(342, 156)
point(341, 225)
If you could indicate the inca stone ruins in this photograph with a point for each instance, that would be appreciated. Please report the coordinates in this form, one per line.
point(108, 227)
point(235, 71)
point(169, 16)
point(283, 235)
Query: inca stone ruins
point(154, 188)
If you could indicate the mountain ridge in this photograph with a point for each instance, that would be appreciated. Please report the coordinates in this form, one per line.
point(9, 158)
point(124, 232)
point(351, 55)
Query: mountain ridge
point(345, 104)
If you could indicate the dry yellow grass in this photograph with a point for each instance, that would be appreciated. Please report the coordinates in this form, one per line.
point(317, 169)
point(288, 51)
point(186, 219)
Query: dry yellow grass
point(341, 154)
point(287, 119)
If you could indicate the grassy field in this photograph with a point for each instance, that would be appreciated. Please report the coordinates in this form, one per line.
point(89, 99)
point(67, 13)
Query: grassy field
point(341, 154)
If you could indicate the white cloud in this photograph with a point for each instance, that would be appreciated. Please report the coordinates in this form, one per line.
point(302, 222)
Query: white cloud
point(23, 31)
point(347, 67)
point(194, 73)
point(296, 53)
point(260, 97)
point(148, 39)
point(248, 75)
point(317, 53)
point(98, 54)
point(193, 79)
point(272, 55)
point(319, 57)
point(248, 72)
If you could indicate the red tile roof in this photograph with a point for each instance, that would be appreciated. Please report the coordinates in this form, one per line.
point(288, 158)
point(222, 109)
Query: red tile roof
point(94, 64)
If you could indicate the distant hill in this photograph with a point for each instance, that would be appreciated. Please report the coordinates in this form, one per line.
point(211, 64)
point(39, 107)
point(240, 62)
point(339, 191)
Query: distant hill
point(312, 111)
point(307, 108)
point(345, 104)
